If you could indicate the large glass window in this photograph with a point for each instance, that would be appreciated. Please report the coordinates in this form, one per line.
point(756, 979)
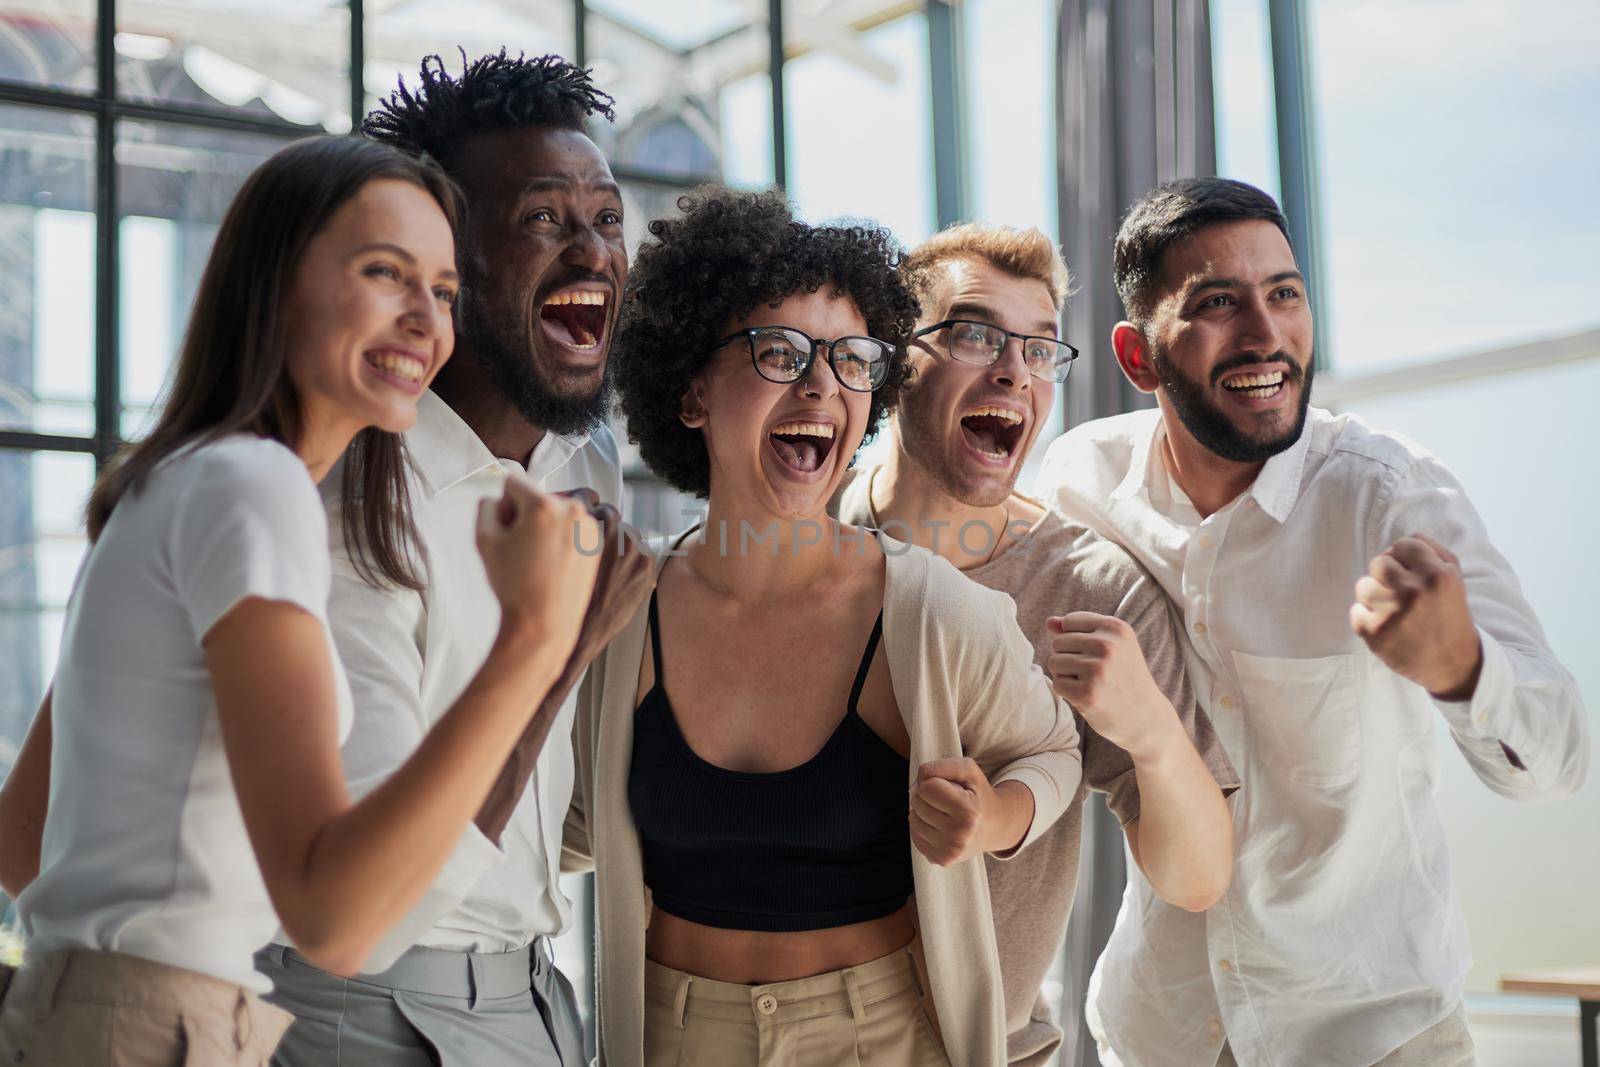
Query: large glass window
point(397, 35)
point(41, 545)
point(1009, 55)
point(694, 95)
point(174, 184)
point(287, 61)
point(860, 141)
point(1241, 89)
point(47, 258)
point(1460, 152)
point(48, 43)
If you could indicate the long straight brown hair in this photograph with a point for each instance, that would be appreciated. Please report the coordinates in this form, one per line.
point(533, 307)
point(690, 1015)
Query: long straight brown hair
point(232, 374)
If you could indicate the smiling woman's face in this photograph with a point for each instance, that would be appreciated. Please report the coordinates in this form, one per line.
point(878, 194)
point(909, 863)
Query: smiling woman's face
point(780, 449)
point(369, 308)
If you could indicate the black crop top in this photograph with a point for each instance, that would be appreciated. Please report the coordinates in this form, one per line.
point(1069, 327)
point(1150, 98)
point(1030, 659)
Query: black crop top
point(819, 845)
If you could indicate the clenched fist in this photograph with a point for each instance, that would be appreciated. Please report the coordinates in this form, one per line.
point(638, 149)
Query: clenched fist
point(1411, 610)
point(1096, 665)
point(956, 814)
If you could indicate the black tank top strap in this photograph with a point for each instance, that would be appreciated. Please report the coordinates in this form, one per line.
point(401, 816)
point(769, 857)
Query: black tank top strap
point(866, 663)
point(655, 638)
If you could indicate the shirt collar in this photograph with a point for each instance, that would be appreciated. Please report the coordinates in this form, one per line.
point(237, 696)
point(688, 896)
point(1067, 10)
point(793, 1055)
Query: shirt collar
point(1276, 489)
point(1138, 476)
point(447, 452)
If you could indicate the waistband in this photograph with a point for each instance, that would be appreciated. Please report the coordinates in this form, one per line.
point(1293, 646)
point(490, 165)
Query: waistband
point(125, 981)
point(849, 990)
point(446, 973)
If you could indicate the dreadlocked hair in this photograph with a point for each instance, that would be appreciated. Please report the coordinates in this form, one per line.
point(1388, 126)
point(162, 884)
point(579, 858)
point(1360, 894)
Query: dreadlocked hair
point(494, 92)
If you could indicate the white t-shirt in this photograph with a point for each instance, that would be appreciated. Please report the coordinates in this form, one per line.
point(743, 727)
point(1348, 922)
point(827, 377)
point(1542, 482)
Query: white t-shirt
point(145, 850)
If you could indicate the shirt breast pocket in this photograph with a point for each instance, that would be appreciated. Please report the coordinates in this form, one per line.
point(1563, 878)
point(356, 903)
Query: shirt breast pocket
point(1304, 716)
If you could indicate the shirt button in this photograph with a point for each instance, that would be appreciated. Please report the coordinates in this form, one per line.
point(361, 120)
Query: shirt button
point(1225, 966)
point(1227, 701)
point(1205, 541)
point(766, 1004)
point(1214, 1028)
point(1200, 628)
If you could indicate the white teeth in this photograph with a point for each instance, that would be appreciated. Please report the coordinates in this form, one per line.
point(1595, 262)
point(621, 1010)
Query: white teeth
point(407, 367)
point(805, 429)
point(1254, 381)
point(578, 296)
point(1010, 418)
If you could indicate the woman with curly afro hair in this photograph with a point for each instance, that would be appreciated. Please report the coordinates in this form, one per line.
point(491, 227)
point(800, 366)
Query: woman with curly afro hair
point(801, 750)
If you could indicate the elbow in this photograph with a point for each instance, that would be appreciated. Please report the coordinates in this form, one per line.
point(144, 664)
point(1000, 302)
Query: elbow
point(329, 948)
point(1201, 897)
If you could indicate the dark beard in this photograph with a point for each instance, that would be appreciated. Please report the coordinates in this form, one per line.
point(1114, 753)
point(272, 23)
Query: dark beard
point(1208, 425)
point(511, 371)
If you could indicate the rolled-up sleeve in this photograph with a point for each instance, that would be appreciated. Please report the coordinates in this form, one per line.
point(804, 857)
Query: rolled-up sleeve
point(1524, 731)
point(1012, 723)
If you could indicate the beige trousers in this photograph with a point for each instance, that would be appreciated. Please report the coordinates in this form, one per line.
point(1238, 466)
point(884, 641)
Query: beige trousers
point(104, 1009)
point(1447, 1043)
point(866, 1016)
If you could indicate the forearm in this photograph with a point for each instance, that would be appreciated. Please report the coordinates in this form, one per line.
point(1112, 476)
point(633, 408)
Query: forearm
point(23, 803)
point(366, 868)
point(1183, 837)
point(1013, 816)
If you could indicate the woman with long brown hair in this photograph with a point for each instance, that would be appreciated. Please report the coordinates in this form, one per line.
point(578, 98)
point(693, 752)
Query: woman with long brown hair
point(189, 744)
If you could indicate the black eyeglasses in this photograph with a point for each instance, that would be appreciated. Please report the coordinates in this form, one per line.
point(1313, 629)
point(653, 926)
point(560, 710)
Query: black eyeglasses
point(980, 343)
point(783, 354)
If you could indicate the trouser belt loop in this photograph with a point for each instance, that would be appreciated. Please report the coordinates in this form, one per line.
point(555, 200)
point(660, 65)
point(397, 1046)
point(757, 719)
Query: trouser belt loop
point(474, 979)
point(680, 1003)
point(47, 988)
point(858, 1004)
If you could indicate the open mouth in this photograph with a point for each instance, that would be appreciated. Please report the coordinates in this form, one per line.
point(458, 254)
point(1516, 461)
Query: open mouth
point(575, 317)
point(992, 431)
point(399, 367)
point(803, 446)
point(1255, 386)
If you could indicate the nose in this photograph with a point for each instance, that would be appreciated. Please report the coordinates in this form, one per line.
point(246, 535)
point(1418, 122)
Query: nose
point(425, 316)
point(1258, 328)
point(818, 382)
point(586, 248)
point(1010, 370)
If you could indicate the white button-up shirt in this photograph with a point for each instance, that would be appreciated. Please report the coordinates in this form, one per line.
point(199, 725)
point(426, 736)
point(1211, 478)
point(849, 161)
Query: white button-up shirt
point(1340, 937)
point(409, 656)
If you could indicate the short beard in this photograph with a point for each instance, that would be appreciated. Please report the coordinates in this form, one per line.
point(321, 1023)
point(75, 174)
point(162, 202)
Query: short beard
point(1216, 433)
point(926, 447)
point(511, 369)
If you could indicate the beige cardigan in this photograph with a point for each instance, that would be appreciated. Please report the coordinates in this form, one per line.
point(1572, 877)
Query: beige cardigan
point(965, 680)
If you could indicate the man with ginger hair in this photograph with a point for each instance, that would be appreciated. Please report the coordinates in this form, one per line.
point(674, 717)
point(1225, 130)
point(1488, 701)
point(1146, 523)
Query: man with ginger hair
point(986, 358)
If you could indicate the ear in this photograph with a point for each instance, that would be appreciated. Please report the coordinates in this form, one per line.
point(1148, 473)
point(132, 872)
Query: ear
point(1133, 356)
point(692, 407)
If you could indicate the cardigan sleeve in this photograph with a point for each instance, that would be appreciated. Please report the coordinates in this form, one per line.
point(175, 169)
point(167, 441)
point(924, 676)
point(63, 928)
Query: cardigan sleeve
point(1011, 722)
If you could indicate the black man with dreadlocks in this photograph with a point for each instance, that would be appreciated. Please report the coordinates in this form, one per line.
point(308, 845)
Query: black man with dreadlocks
point(468, 977)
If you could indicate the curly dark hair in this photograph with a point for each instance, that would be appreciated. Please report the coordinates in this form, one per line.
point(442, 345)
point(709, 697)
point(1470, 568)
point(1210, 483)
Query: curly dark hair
point(727, 254)
point(494, 92)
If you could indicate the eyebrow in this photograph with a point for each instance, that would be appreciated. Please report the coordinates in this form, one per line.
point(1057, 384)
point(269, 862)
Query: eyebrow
point(967, 308)
point(1236, 283)
point(400, 253)
point(548, 183)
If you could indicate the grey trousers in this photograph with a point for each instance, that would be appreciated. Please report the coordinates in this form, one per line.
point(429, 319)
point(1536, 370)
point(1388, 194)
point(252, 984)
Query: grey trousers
point(433, 1008)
